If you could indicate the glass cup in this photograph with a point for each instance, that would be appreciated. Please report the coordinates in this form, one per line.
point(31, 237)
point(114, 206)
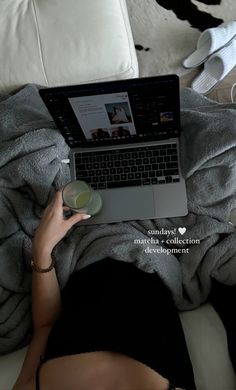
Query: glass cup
point(81, 198)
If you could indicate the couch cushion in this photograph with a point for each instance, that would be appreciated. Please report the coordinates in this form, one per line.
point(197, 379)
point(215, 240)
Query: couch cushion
point(10, 366)
point(207, 345)
point(58, 42)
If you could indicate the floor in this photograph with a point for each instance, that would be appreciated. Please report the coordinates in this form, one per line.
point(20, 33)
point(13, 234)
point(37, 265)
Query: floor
point(221, 93)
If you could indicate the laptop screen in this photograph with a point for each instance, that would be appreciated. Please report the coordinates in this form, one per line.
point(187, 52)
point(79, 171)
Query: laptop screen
point(116, 112)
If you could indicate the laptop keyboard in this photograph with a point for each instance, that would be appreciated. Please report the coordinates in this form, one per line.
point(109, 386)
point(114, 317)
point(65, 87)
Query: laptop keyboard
point(128, 167)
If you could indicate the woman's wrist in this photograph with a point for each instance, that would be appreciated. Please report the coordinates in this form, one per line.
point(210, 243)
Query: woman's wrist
point(42, 257)
point(41, 267)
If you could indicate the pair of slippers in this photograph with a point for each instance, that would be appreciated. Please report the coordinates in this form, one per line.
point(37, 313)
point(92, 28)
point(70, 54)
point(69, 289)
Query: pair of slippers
point(216, 48)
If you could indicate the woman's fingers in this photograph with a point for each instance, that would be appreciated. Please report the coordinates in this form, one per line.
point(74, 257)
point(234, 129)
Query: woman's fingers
point(58, 198)
point(57, 203)
point(77, 217)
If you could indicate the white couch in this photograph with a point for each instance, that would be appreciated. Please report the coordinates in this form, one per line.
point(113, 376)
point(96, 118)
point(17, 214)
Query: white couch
point(58, 42)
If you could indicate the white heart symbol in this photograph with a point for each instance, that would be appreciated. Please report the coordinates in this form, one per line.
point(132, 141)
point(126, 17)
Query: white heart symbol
point(182, 230)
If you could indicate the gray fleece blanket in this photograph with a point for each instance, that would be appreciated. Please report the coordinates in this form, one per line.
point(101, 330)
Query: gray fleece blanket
point(31, 150)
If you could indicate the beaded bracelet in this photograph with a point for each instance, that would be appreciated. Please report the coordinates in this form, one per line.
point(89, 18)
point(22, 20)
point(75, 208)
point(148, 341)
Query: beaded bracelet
point(42, 270)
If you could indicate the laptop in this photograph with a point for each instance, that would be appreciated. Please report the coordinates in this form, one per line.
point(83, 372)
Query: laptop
point(124, 141)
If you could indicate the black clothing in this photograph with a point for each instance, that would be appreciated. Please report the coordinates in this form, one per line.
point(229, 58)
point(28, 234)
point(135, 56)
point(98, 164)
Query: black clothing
point(113, 306)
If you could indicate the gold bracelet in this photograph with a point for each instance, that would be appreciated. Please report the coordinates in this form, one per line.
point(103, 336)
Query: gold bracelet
point(42, 270)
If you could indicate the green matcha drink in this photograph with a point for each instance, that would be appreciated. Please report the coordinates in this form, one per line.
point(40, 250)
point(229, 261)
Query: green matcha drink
point(95, 205)
point(80, 197)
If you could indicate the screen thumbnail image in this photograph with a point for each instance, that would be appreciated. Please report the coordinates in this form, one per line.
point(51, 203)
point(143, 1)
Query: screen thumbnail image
point(166, 116)
point(120, 131)
point(100, 133)
point(118, 113)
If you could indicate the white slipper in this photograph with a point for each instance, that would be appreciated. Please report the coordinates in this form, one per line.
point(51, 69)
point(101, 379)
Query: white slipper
point(216, 68)
point(210, 41)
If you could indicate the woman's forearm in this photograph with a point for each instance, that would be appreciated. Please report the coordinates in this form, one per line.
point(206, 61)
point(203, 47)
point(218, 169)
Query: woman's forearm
point(46, 297)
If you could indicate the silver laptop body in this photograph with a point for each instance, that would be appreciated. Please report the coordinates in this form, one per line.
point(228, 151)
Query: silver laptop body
point(119, 103)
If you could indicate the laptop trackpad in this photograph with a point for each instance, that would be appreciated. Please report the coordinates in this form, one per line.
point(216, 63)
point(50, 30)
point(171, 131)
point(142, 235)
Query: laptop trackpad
point(124, 204)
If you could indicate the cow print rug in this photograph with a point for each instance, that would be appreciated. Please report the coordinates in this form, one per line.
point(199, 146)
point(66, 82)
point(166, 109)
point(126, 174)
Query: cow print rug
point(166, 31)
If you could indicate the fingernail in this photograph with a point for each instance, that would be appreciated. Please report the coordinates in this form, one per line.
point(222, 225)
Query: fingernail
point(86, 216)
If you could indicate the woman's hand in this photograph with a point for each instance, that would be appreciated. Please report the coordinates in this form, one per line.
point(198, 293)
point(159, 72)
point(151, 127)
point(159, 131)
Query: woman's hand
point(53, 226)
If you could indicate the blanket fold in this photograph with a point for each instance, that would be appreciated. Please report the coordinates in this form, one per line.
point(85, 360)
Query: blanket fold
point(185, 251)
